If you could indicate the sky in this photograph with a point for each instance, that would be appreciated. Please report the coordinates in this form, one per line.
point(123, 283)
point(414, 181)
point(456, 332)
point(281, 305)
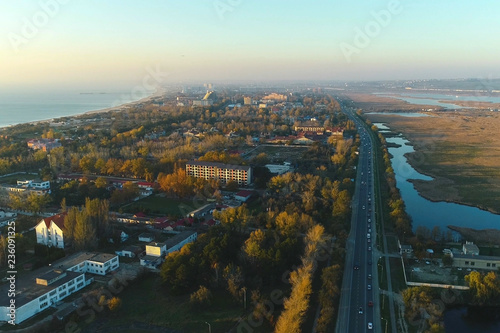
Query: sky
point(99, 44)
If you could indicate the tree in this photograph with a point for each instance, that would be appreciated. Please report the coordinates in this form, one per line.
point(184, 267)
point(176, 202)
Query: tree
point(201, 298)
point(297, 304)
point(447, 260)
point(114, 303)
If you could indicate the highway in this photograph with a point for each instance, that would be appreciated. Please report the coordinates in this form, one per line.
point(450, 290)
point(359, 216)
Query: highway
point(359, 309)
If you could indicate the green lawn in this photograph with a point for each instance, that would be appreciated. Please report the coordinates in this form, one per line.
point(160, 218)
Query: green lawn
point(397, 275)
point(145, 301)
point(164, 206)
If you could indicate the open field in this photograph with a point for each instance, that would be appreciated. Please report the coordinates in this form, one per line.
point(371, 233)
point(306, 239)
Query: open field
point(279, 154)
point(146, 305)
point(459, 149)
point(158, 205)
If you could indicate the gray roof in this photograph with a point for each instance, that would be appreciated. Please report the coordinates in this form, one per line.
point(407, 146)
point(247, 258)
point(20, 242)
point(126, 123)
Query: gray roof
point(478, 257)
point(178, 238)
point(219, 165)
point(29, 290)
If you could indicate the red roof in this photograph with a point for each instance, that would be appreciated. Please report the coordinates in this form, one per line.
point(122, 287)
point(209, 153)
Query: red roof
point(161, 219)
point(139, 214)
point(57, 219)
point(244, 193)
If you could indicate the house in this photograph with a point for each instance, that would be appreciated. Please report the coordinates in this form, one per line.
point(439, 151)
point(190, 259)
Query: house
point(470, 248)
point(243, 195)
point(118, 234)
point(406, 249)
point(50, 231)
point(130, 251)
point(146, 237)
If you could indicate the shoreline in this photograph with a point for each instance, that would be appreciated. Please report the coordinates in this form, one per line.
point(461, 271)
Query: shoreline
point(121, 107)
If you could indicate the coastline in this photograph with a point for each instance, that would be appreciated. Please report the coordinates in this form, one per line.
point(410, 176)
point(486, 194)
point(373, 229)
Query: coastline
point(121, 107)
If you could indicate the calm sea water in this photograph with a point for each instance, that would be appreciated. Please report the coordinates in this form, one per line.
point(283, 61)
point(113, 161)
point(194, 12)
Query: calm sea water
point(23, 107)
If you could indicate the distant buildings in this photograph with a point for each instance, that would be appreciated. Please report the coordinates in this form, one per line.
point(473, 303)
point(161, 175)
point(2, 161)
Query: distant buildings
point(275, 97)
point(34, 186)
point(223, 172)
point(207, 100)
point(50, 231)
point(44, 144)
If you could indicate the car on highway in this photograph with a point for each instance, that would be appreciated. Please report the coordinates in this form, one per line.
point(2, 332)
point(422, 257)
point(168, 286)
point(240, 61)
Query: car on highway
point(369, 248)
point(370, 326)
point(356, 267)
point(369, 240)
point(370, 303)
point(369, 287)
point(369, 276)
point(360, 311)
point(363, 207)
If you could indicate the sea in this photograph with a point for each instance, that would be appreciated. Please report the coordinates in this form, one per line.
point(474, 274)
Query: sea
point(23, 107)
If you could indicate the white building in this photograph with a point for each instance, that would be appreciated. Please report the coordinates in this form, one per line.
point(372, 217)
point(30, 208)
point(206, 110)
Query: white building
point(50, 231)
point(49, 289)
point(470, 248)
point(66, 277)
point(95, 263)
point(156, 252)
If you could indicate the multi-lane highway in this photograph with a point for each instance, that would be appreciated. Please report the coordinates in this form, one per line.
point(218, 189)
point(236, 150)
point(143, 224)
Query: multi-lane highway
point(358, 310)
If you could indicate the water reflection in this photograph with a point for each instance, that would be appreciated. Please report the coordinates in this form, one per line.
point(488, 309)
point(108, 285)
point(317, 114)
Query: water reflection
point(427, 213)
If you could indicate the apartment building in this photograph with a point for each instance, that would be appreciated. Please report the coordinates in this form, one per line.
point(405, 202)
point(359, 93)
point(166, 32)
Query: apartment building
point(223, 172)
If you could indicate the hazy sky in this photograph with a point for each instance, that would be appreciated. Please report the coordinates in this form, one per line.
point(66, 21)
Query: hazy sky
point(95, 43)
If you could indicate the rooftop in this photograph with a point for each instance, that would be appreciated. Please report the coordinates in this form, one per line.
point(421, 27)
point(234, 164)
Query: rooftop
point(178, 238)
point(27, 289)
point(219, 165)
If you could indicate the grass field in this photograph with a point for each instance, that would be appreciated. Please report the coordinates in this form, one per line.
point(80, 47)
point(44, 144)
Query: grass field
point(146, 304)
point(157, 205)
point(459, 150)
point(278, 154)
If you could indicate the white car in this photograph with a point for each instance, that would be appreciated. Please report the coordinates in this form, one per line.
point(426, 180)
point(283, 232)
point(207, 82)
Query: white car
point(370, 326)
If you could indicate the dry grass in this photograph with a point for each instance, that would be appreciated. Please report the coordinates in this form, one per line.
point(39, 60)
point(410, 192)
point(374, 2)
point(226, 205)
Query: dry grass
point(460, 149)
